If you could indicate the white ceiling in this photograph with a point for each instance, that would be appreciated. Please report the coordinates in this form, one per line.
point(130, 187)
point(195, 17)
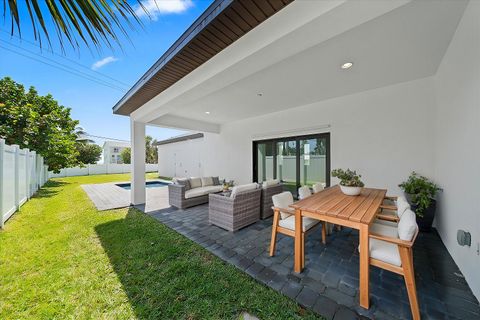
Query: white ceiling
point(403, 44)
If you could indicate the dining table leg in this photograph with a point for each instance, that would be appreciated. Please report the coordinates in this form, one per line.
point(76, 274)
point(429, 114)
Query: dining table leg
point(364, 267)
point(298, 242)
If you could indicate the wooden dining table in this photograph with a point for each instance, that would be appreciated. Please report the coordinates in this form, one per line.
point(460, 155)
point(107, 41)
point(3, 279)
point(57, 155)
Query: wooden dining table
point(357, 212)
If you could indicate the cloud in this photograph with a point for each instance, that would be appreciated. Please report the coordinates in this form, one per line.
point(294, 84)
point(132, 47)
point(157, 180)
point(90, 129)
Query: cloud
point(156, 8)
point(100, 63)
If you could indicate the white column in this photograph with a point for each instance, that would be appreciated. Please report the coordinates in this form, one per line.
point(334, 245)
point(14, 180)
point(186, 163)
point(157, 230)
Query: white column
point(137, 138)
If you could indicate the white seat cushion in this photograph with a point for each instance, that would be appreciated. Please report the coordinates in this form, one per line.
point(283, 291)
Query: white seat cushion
point(385, 251)
point(207, 181)
point(195, 182)
point(197, 192)
point(289, 223)
point(407, 226)
point(304, 192)
point(243, 188)
point(283, 200)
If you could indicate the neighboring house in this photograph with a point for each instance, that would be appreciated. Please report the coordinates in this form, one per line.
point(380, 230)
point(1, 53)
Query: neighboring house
point(383, 87)
point(82, 135)
point(112, 151)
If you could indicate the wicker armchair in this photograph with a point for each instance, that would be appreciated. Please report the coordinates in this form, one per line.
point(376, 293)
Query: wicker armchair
point(234, 213)
point(267, 203)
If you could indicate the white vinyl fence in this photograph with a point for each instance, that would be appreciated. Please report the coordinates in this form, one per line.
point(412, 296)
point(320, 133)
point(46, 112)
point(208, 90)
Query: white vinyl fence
point(91, 169)
point(22, 173)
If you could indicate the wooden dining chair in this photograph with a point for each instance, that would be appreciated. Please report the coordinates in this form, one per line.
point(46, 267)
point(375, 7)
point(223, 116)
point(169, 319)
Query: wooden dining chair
point(284, 222)
point(391, 248)
point(390, 214)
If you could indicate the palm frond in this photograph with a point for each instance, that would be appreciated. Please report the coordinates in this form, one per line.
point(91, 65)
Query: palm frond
point(93, 22)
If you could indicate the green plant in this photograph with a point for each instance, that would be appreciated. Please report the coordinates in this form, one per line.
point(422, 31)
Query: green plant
point(348, 178)
point(422, 191)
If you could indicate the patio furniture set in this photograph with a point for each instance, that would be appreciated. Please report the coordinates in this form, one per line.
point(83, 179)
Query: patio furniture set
point(387, 227)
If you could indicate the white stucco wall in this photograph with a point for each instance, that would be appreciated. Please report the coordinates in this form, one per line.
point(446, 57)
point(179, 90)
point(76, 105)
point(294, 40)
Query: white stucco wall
point(181, 159)
point(457, 148)
point(384, 134)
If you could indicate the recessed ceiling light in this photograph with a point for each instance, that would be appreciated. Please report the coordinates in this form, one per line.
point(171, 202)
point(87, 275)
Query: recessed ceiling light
point(347, 65)
point(259, 94)
point(207, 112)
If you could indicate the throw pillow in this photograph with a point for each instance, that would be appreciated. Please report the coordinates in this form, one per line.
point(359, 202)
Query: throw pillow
point(216, 181)
point(207, 181)
point(184, 182)
point(195, 183)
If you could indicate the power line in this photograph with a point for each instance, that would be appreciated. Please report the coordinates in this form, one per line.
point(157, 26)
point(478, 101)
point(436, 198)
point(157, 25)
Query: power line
point(63, 65)
point(101, 82)
point(106, 138)
point(66, 58)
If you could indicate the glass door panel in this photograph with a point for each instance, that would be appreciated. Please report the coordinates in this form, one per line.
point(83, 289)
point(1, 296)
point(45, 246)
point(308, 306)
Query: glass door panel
point(287, 164)
point(265, 166)
point(313, 161)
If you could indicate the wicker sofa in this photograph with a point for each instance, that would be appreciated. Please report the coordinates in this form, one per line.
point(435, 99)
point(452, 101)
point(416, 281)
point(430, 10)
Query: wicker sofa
point(185, 193)
point(235, 211)
point(269, 189)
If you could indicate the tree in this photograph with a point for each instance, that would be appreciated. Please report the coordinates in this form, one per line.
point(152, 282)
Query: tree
point(126, 155)
point(88, 153)
point(38, 123)
point(151, 151)
point(82, 20)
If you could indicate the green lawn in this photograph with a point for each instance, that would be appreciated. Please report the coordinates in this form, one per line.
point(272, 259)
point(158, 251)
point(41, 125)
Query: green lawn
point(61, 258)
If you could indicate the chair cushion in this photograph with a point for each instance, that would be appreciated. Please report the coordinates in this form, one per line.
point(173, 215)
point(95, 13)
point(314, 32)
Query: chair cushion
point(207, 181)
point(283, 200)
point(304, 192)
point(289, 223)
point(243, 188)
point(407, 226)
point(384, 229)
point(201, 191)
point(317, 187)
point(195, 182)
point(268, 183)
point(402, 206)
point(385, 251)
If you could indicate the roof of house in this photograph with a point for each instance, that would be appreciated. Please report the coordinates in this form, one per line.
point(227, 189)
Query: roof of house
point(224, 22)
point(180, 138)
point(113, 143)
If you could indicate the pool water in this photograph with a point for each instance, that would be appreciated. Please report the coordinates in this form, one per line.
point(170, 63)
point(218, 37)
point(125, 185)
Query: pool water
point(149, 184)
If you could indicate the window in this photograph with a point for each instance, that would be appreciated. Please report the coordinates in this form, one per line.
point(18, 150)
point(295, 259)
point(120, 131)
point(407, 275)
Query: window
point(296, 161)
point(116, 150)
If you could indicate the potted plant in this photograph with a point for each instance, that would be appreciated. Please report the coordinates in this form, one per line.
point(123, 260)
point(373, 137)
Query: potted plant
point(350, 182)
point(421, 193)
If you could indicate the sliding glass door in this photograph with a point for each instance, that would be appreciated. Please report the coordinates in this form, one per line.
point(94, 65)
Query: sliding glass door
point(296, 161)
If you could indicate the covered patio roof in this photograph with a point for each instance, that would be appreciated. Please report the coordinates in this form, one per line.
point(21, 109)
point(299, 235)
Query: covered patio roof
point(388, 43)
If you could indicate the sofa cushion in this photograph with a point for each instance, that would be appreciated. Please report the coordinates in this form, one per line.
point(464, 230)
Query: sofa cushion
point(183, 182)
point(195, 182)
point(407, 226)
point(242, 188)
point(207, 181)
point(268, 183)
point(289, 223)
point(283, 201)
point(201, 191)
point(216, 181)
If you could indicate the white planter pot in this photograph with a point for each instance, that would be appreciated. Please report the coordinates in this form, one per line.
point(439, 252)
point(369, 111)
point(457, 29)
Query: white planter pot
point(351, 191)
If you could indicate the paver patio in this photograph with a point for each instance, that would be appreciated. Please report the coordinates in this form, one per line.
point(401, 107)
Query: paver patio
point(329, 284)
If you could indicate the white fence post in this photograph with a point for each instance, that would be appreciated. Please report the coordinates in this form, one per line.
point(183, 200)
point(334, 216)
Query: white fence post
point(2, 207)
point(17, 184)
point(27, 172)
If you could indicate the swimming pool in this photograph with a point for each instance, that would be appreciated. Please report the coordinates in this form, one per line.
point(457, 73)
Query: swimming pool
point(149, 184)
